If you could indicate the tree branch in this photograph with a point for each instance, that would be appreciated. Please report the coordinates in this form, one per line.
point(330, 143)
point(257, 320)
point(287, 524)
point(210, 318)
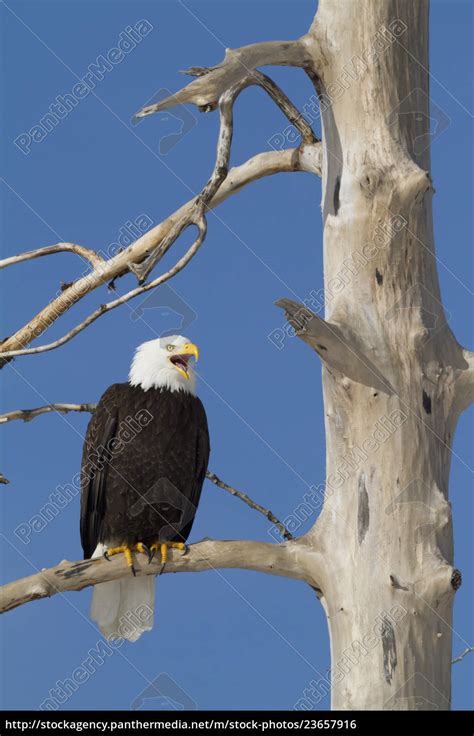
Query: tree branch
point(289, 559)
point(104, 308)
point(335, 344)
point(253, 505)
point(221, 166)
point(141, 260)
point(206, 91)
point(89, 255)
point(28, 414)
point(305, 158)
point(463, 654)
point(465, 382)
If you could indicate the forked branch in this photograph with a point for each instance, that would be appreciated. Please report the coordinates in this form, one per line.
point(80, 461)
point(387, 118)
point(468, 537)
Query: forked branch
point(221, 167)
point(206, 91)
point(142, 256)
point(104, 308)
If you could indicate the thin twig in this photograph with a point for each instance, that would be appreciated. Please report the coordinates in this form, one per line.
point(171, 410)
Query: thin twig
point(221, 166)
point(464, 654)
point(28, 414)
point(89, 255)
point(253, 505)
point(304, 158)
point(116, 302)
point(191, 214)
point(219, 174)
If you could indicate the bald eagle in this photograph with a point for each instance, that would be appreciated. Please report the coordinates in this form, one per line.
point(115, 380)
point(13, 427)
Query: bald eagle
point(144, 462)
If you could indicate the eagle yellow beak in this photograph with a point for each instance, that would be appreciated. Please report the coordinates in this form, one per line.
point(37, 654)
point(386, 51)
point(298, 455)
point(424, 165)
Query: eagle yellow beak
point(190, 349)
point(180, 359)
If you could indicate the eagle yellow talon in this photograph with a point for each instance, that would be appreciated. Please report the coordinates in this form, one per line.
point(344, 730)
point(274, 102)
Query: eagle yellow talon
point(113, 551)
point(129, 557)
point(164, 553)
point(127, 551)
point(140, 547)
point(164, 547)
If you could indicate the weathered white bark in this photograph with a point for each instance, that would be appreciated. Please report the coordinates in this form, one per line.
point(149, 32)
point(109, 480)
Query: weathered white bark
point(385, 530)
point(290, 559)
point(465, 382)
point(89, 255)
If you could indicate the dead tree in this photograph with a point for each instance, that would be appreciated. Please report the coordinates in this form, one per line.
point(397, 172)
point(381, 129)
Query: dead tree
point(395, 380)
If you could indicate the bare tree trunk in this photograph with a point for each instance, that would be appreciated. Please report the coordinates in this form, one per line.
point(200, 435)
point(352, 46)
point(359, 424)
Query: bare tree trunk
point(385, 530)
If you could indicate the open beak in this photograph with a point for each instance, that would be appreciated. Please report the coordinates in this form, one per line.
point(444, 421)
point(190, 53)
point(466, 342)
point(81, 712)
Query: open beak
point(180, 360)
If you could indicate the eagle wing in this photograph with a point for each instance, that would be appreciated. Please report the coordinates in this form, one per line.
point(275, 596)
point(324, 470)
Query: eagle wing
point(95, 465)
point(202, 458)
point(202, 453)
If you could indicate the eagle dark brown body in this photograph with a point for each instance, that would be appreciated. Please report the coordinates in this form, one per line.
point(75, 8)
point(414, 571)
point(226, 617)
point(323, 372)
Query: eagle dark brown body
point(143, 466)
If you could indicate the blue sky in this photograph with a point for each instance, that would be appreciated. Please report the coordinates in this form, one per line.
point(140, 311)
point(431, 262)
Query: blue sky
point(229, 639)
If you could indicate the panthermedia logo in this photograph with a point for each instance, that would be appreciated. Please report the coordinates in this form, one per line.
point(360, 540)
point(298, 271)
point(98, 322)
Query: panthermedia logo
point(182, 120)
point(427, 127)
point(169, 307)
point(172, 508)
point(165, 693)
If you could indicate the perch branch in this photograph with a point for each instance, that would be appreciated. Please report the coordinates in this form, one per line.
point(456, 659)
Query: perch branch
point(289, 559)
point(335, 344)
point(253, 505)
point(89, 255)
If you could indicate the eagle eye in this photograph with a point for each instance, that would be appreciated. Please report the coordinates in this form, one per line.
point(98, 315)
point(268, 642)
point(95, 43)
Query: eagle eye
point(170, 348)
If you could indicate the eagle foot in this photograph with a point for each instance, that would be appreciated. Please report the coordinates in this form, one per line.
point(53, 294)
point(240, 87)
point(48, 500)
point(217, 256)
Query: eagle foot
point(127, 551)
point(164, 547)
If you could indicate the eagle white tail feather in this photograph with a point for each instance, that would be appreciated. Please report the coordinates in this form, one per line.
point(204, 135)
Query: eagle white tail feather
point(123, 609)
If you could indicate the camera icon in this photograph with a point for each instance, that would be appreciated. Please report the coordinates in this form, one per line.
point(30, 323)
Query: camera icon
point(415, 499)
point(433, 316)
point(167, 692)
point(427, 697)
point(411, 112)
point(182, 120)
point(169, 306)
point(174, 512)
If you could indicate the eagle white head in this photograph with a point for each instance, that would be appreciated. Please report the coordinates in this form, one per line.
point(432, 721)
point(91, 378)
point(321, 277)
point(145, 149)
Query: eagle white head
point(164, 363)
